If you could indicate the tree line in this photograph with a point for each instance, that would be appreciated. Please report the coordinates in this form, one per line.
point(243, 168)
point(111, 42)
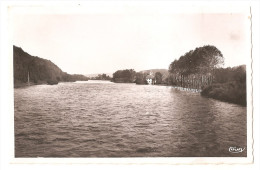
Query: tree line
point(124, 76)
point(195, 68)
point(101, 77)
point(201, 69)
point(131, 76)
point(202, 60)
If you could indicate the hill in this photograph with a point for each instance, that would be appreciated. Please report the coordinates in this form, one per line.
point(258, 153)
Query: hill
point(164, 72)
point(39, 70)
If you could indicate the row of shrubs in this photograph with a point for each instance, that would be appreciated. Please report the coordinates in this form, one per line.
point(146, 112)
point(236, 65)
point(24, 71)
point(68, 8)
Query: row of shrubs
point(233, 92)
point(229, 85)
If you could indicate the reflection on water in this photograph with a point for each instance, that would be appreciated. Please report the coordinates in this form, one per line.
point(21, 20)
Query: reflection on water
point(93, 119)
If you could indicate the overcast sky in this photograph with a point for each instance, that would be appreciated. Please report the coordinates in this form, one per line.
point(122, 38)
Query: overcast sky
point(103, 41)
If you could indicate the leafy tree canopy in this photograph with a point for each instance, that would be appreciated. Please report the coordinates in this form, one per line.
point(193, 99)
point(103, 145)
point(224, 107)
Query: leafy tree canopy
point(201, 60)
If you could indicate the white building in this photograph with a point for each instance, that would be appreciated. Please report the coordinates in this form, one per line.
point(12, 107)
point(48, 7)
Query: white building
point(150, 79)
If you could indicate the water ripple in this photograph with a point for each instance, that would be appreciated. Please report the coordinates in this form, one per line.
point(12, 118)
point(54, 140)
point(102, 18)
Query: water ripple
point(94, 119)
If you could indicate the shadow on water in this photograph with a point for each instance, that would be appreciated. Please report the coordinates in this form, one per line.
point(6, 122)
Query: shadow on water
point(202, 126)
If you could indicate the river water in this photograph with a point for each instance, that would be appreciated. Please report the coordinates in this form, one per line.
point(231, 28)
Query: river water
point(104, 119)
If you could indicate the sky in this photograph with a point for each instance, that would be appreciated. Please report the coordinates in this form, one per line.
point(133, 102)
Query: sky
point(107, 39)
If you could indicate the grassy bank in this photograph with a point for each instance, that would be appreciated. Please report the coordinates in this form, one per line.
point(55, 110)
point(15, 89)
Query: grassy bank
point(233, 92)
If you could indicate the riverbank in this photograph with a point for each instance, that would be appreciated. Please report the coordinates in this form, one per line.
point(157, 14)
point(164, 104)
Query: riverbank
point(19, 84)
point(232, 92)
point(187, 89)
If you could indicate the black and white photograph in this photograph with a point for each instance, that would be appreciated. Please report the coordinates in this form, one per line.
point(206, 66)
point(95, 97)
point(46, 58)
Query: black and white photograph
point(131, 80)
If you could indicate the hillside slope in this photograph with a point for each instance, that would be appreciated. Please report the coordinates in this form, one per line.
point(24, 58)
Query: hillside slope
point(153, 71)
point(40, 70)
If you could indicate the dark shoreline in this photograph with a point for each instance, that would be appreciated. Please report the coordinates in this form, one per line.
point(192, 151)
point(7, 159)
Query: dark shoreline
point(20, 85)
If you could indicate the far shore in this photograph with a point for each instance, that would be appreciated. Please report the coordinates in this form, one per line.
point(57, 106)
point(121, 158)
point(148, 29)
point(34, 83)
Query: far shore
point(21, 84)
point(203, 92)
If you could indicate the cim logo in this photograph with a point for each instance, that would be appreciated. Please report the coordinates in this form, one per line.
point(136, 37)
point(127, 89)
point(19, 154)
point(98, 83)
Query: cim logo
point(236, 149)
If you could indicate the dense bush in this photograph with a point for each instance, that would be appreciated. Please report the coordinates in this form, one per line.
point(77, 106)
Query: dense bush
point(230, 85)
point(141, 78)
point(158, 78)
point(234, 92)
point(124, 76)
point(223, 75)
point(101, 77)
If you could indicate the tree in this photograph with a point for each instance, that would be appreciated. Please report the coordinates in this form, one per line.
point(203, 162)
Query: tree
point(126, 76)
point(208, 58)
point(158, 78)
point(141, 78)
point(202, 60)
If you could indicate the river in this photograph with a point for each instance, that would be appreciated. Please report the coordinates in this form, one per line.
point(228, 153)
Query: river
point(104, 119)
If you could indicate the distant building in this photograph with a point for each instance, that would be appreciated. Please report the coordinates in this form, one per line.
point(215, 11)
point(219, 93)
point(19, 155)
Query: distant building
point(150, 79)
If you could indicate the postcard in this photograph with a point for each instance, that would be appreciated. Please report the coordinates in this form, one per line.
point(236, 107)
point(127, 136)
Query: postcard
point(130, 82)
